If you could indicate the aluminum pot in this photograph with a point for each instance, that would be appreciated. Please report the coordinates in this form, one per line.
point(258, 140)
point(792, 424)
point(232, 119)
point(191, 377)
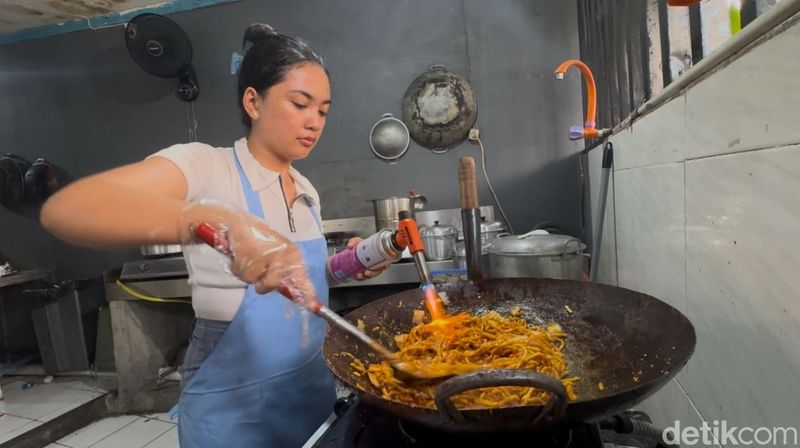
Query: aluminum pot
point(386, 210)
point(451, 217)
point(439, 241)
point(461, 257)
point(490, 231)
point(537, 255)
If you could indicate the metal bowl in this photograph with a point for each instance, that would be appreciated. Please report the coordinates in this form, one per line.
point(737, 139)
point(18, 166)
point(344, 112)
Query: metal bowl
point(389, 138)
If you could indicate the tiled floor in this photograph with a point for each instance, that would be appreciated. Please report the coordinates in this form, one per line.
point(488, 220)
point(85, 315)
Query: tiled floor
point(127, 431)
point(25, 408)
point(132, 431)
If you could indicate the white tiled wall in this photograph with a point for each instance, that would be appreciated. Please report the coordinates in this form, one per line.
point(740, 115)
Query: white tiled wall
point(650, 231)
point(753, 103)
point(670, 405)
point(743, 240)
point(707, 218)
point(659, 137)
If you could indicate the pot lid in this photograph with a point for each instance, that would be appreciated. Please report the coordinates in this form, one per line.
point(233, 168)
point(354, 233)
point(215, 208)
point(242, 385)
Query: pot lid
point(438, 230)
point(532, 244)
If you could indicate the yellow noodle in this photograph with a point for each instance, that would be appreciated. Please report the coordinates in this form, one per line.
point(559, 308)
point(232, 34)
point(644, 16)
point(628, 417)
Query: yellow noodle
point(469, 343)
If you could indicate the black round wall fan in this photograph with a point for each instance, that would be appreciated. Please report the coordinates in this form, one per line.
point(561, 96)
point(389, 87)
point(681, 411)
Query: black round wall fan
point(162, 48)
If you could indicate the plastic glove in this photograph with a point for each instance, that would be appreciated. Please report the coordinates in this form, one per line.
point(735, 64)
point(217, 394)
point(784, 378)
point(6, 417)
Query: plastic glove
point(259, 255)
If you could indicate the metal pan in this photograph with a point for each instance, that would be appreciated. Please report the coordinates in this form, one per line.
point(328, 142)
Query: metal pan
point(389, 139)
point(43, 179)
point(439, 108)
point(12, 172)
point(631, 342)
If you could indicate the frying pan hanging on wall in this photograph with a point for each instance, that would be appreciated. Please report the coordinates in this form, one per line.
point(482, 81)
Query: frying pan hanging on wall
point(12, 173)
point(161, 47)
point(42, 179)
point(439, 108)
point(24, 184)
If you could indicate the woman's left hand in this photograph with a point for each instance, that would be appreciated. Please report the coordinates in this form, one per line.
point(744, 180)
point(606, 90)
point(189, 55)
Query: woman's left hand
point(369, 273)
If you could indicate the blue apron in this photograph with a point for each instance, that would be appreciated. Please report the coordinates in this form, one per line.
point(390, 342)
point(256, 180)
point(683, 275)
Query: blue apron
point(265, 384)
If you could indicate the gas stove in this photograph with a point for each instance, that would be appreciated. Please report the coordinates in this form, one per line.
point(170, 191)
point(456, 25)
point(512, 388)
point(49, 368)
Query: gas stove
point(173, 266)
point(355, 424)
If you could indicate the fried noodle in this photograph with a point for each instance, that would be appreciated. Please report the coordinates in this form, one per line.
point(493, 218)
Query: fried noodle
point(471, 343)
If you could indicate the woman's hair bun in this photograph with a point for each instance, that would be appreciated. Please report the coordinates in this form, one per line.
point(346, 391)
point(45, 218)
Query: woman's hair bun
point(256, 33)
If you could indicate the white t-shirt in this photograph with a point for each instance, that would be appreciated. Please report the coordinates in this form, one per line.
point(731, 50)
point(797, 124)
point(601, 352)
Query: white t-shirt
point(211, 174)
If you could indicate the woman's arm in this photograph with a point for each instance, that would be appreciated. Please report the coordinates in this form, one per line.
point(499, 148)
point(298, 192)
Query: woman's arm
point(144, 203)
point(136, 204)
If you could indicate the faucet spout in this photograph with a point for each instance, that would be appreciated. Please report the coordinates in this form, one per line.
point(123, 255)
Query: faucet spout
point(591, 90)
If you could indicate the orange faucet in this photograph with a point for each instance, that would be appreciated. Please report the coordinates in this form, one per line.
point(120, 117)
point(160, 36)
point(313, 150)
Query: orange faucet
point(588, 129)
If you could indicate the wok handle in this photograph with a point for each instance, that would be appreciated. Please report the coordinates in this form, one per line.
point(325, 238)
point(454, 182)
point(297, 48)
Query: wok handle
point(552, 412)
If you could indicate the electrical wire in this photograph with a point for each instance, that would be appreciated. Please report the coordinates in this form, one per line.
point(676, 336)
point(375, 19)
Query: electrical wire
point(491, 188)
point(191, 118)
point(147, 298)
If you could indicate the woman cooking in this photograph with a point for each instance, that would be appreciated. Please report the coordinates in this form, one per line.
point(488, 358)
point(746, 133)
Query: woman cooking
point(252, 375)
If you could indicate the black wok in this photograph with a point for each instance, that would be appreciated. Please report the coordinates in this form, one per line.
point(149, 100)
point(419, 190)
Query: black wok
point(631, 342)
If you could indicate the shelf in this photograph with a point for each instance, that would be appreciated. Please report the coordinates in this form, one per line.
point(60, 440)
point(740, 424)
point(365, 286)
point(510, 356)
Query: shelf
point(24, 276)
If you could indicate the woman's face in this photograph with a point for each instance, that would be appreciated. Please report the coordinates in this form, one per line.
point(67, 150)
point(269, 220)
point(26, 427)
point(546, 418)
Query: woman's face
point(288, 119)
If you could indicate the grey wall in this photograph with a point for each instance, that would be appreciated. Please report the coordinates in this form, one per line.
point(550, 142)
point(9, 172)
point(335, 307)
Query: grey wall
point(79, 100)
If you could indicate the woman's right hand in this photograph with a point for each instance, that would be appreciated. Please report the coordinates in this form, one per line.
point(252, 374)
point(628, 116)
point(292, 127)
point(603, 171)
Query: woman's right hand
point(260, 256)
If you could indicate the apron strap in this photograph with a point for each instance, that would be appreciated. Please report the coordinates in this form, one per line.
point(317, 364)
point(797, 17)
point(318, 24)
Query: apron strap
point(252, 198)
point(314, 214)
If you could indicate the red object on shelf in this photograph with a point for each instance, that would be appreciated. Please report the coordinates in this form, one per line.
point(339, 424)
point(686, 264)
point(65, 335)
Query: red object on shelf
point(682, 2)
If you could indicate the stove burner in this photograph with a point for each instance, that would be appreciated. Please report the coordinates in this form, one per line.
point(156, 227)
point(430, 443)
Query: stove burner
point(418, 435)
point(360, 425)
point(154, 268)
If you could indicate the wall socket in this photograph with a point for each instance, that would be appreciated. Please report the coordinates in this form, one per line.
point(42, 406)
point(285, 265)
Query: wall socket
point(474, 135)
